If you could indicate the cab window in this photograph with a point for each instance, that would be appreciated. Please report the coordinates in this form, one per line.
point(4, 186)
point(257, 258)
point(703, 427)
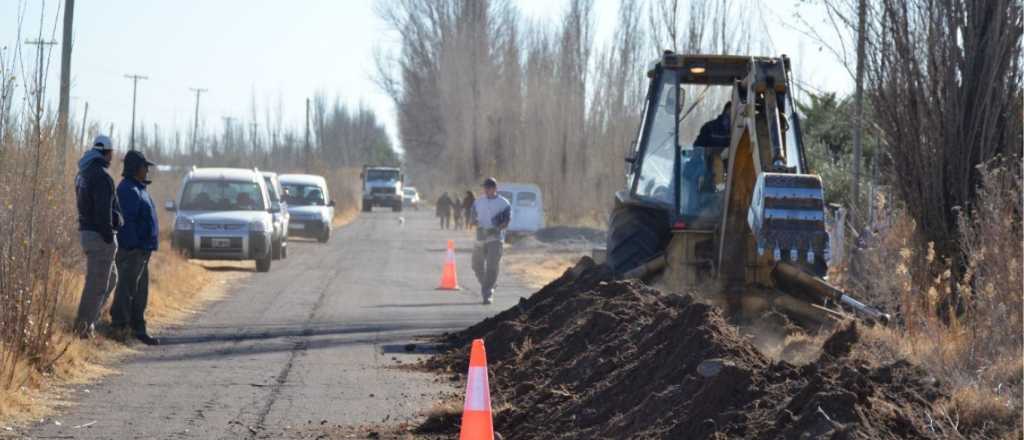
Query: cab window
point(526, 199)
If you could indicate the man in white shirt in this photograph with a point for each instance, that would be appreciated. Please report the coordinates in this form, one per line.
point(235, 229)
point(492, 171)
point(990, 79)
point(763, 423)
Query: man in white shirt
point(491, 214)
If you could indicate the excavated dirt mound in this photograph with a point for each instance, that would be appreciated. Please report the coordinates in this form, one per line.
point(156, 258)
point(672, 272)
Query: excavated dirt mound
point(591, 357)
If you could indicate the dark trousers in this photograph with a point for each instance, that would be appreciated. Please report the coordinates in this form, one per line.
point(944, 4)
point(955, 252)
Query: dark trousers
point(100, 279)
point(486, 264)
point(445, 221)
point(132, 294)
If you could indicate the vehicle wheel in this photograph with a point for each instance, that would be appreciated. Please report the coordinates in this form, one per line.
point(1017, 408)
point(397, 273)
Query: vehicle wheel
point(635, 235)
point(367, 206)
point(275, 250)
point(396, 207)
point(263, 264)
point(326, 235)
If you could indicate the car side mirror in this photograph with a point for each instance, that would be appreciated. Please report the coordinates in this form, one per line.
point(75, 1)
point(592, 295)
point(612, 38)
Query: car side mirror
point(630, 159)
point(169, 206)
point(331, 203)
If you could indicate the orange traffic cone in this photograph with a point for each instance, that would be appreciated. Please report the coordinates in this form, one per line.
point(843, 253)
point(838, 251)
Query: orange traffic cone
point(449, 281)
point(476, 413)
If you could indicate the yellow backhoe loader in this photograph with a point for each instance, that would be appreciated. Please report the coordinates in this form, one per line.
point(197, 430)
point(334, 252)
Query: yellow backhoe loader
point(719, 195)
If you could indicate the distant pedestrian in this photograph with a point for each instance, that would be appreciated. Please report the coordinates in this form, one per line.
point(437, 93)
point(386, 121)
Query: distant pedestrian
point(467, 208)
point(444, 210)
point(493, 214)
point(140, 237)
point(99, 218)
point(457, 212)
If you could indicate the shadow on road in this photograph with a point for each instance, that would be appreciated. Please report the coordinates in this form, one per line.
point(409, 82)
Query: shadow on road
point(228, 268)
point(386, 306)
point(224, 342)
point(409, 348)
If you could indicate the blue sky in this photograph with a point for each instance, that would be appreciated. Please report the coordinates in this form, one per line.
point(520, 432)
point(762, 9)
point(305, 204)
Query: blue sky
point(279, 50)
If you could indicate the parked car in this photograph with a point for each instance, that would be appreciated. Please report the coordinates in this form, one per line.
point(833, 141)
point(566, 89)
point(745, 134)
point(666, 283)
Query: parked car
point(310, 207)
point(224, 214)
point(279, 248)
point(411, 197)
point(527, 207)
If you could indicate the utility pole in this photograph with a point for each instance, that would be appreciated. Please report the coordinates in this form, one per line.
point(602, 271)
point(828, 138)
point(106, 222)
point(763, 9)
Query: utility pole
point(85, 118)
point(40, 86)
point(305, 148)
point(229, 137)
point(65, 83)
point(195, 124)
point(254, 135)
point(135, 87)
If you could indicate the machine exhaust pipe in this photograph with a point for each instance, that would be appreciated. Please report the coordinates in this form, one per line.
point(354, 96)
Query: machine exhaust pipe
point(793, 277)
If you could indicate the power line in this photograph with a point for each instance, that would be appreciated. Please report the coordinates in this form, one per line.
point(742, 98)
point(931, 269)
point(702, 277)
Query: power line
point(135, 86)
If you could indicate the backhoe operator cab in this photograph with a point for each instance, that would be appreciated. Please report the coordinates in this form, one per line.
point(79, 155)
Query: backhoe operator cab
point(718, 191)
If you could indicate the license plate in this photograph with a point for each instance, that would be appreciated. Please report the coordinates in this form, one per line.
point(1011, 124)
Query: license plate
point(296, 226)
point(221, 243)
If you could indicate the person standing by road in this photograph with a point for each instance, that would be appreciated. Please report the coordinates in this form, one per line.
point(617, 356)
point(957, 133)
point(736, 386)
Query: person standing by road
point(140, 237)
point(457, 212)
point(444, 210)
point(99, 218)
point(492, 215)
point(467, 208)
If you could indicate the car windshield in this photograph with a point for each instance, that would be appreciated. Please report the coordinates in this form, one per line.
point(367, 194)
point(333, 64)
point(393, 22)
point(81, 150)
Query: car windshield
point(382, 175)
point(296, 194)
point(409, 192)
point(222, 195)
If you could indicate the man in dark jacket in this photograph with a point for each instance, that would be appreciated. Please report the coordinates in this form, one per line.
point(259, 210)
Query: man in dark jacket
point(140, 237)
point(99, 218)
point(444, 210)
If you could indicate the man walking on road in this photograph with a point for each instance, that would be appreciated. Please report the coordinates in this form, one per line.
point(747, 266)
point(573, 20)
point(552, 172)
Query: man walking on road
point(99, 218)
point(139, 239)
point(492, 214)
point(444, 210)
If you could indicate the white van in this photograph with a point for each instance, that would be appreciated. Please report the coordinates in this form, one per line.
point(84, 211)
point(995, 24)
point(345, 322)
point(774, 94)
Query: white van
point(527, 206)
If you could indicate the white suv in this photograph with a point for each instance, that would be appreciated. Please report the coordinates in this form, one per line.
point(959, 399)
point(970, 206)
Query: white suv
point(224, 214)
point(310, 207)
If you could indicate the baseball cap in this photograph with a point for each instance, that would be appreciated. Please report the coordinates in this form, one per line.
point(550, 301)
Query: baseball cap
point(103, 143)
point(490, 182)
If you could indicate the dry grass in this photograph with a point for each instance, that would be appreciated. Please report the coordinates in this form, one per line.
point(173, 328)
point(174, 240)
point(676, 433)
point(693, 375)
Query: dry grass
point(967, 330)
point(535, 268)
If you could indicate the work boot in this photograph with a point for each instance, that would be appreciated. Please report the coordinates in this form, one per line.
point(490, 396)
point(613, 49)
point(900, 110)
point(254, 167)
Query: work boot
point(120, 333)
point(147, 339)
point(489, 296)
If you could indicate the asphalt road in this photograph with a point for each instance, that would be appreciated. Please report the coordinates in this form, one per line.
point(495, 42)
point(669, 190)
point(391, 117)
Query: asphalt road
point(313, 340)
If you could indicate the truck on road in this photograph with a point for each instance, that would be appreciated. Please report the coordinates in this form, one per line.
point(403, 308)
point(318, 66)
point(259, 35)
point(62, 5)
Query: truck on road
point(382, 186)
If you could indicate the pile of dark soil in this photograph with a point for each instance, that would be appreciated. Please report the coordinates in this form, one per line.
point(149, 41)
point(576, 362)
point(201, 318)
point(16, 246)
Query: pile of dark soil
point(591, 357)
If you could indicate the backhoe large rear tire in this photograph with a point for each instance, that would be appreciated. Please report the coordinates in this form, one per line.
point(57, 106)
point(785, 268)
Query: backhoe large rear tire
point(635, 235)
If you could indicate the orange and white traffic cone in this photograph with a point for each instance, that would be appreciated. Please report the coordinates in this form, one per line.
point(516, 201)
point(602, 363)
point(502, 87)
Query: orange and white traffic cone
point(477, 423)
point(449, 281)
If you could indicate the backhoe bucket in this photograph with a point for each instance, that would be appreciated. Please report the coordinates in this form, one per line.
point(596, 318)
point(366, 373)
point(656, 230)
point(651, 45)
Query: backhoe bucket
point(787, 217)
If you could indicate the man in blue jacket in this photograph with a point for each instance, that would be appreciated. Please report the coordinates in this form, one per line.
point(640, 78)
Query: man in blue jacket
point(99, 218)
point(139, 238)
